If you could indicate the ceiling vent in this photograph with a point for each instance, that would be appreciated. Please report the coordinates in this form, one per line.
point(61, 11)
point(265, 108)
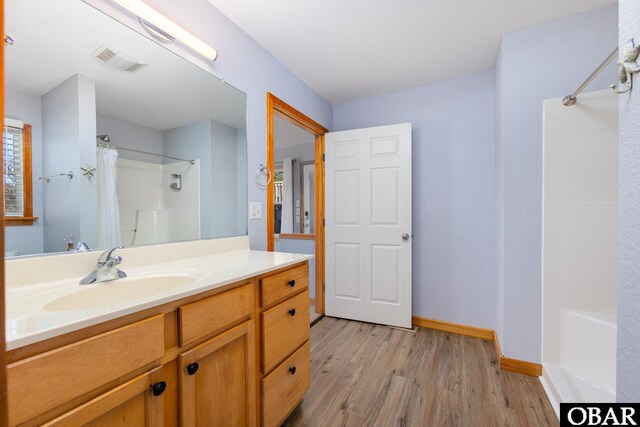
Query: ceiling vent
point(117, 61)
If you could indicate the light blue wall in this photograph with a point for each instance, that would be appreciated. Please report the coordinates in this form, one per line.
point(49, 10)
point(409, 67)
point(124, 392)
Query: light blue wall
point(69, 132)
point(193, 141)
point(628, 385)
point(454, 262)
point(499, 192)
point(544, 61)
point(28, 108)
point(241, 179)
point(127, 134)
point(218, 147)
point(87, 131)
point(224, 161)
point(249, 67)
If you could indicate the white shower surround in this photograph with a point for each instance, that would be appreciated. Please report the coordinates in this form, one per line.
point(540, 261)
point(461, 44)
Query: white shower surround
point(580, 211)
point(147, 203)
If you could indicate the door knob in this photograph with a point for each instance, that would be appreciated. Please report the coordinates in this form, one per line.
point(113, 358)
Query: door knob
point(405, 236)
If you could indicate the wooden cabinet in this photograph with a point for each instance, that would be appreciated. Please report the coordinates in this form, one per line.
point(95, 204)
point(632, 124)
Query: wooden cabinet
point(195, 361)
point(215, 313)
point(137, 402)
point(285, 327)
point(280, 286)
point(43, 382)
point(217, 380)
point(285, 330)
point(283, 389)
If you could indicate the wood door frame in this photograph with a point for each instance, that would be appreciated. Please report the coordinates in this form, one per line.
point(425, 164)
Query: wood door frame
point(3, 360)
point(276, 106)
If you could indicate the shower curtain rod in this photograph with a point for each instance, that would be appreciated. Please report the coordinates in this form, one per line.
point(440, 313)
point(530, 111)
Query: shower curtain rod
point(570, 100)
point(145, 152)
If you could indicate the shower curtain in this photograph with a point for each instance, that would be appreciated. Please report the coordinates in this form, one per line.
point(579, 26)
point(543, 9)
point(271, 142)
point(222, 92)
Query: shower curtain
point(108, 212)
point(287, 196)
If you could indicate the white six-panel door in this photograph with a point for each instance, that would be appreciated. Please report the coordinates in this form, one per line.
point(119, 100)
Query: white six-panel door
point(368, 224)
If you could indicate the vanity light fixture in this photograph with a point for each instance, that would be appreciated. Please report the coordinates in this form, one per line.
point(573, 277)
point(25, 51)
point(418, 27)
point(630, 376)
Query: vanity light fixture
point(162, 28)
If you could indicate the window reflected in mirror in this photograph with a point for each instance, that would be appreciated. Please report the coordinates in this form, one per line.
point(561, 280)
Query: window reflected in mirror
point(18, 197)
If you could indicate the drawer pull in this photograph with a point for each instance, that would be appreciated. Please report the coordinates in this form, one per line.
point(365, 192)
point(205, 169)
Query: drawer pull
point(158, 388)
point(292, 283)
point(292, 312)
point(192, 368)
point(292, 370)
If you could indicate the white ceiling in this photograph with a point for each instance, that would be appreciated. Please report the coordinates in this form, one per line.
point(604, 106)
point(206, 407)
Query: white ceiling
point(55, 39)
point(286, 134)
point(347, 50)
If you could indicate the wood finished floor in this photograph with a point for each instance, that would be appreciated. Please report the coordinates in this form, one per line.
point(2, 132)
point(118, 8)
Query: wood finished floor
point(371, 375)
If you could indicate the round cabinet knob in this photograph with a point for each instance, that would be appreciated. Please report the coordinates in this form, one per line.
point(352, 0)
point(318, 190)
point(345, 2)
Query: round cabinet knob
point(292, 283)
point(292, 312)
point(405, 236)
point(292, 370)
point(158, 388)
point(192, 368)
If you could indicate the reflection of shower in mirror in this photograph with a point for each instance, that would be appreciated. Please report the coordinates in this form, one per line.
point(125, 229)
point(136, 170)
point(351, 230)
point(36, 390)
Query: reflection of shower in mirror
point(75, 112)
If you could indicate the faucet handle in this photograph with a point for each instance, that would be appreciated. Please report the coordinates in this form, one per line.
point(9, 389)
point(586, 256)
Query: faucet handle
point(106, 255)
point(81, 247)
point(114, 260)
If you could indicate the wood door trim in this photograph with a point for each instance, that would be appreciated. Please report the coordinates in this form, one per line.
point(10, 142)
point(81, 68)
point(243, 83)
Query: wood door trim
point(3, 369)
point(515, 365)
point(506, 363)
point(294, 116)
point(455, 328)
point(520, 366)
point(320, 250)
point(297, 236)
point(276, 106)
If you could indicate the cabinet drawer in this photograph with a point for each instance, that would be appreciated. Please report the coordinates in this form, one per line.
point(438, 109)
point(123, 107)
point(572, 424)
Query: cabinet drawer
point(203, 317)
point(284, 328)
point(43, 382)
point(280, 286)
point(284, 388)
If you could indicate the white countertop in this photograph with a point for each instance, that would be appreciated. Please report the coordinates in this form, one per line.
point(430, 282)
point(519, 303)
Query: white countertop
point(30, 317)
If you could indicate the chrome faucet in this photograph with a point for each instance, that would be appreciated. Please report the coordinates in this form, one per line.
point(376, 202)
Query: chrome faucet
point(81, 247)
point(106, 269)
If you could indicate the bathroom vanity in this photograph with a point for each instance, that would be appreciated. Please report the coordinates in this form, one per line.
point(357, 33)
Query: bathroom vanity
point(226, 344)
point(142, 153)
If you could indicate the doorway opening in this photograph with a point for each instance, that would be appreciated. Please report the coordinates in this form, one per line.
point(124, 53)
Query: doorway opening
point(295, 196)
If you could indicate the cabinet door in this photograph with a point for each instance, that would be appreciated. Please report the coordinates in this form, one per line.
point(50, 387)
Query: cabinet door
point(137, 402)
point(217, 380)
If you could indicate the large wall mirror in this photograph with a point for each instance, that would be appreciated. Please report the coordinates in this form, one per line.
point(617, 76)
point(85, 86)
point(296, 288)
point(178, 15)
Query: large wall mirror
point(111, 139)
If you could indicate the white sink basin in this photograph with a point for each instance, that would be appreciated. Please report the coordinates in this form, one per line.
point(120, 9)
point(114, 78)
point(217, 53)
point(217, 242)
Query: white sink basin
point(119, 291)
